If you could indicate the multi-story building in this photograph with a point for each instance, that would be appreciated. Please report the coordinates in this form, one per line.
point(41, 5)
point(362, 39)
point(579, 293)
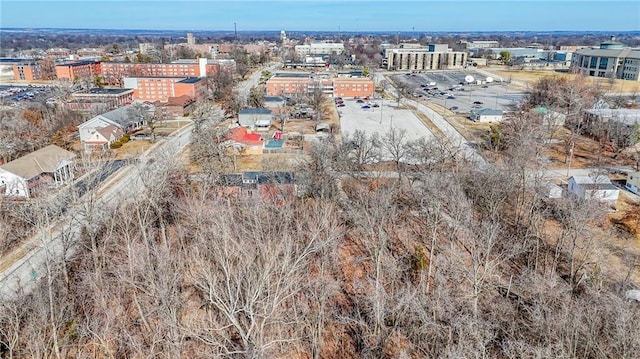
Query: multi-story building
point(191, 40)
point(432, 57)
point(114, 72)
point(353, 86)
point(85, 69)
point(161, 88)
point(27, 70)
point(611, 60)
point(480, 44)
point(284, 84)
point(90, 52)
point(319, 48)
point(58, 52)
point(100, 99)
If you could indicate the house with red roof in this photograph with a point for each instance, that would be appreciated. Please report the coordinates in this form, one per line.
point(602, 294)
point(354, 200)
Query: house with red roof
point(251, 143)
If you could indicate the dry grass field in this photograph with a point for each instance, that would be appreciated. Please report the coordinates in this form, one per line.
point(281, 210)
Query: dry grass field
point(531, 76)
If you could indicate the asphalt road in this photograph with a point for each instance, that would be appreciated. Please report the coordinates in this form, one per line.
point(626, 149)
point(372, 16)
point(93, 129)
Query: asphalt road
point(124, 183)
point(49, 244)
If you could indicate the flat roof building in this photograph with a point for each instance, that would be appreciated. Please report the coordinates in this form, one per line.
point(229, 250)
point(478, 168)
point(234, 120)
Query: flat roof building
point(432, 57)
point(611, 60)
point(161, 88)
point(100, 99)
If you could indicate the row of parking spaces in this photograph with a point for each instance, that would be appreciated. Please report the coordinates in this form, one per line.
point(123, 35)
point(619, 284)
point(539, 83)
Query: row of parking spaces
point(16, 94)
point(380, 116)
point(456, 96)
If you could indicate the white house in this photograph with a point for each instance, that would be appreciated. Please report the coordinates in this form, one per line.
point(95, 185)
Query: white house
point(598, 187)
point(50, 166)
point(255, 118)
point(485, 115)
point(98, 132)
point(633, 182)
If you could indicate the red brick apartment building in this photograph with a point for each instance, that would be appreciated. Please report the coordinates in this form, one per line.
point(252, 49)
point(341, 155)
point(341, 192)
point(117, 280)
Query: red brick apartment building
point(78, 70)
point(114, 72)
point(353, 87)
point(161, 88)
point(302, 83)
point(104, 99)
point(27, 71)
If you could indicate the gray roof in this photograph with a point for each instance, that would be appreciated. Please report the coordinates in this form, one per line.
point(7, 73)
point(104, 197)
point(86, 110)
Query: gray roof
point(594, 183)
point(102, 91)
point(121, 115)
point(44, 160)
point(629, 116)
point(487, 112)
point(255, 111)
point(618, 53)
point(190, 80)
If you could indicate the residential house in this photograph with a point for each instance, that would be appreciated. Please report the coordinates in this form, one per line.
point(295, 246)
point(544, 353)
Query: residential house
point(177, 106)
point(248, 143)
point(269, 187)
point(24, 177)
point(97, 133)
point(633, 182)
point(255, 118)
point(598, 188)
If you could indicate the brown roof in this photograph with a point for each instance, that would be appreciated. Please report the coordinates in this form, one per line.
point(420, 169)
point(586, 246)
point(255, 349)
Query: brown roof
point(183, 100)
point(44, 160)
point(108, 130)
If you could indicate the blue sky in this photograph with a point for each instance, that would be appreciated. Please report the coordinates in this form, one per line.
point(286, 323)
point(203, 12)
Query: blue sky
point(326, 15)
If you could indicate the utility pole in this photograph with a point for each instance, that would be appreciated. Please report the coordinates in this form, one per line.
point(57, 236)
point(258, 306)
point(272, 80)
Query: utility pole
point(570, 157)
point(235, 30)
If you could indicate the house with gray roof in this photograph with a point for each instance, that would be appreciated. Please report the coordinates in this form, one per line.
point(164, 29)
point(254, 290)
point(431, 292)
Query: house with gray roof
point(255, 118)
point(597, 188)
point(47, 167)
point(122, 120)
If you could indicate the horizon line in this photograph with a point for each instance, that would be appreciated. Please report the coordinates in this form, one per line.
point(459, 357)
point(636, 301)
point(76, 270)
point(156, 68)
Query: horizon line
point(330, 31)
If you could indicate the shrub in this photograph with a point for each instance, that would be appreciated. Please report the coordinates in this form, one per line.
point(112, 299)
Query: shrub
point(125, 138)
point(116, 144)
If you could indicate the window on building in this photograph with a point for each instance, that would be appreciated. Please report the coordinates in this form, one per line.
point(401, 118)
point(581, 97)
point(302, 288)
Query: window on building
point(603, 63)
point(593, 63)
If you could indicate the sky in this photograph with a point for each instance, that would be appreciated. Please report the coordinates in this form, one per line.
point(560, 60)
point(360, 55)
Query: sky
point(325, 15)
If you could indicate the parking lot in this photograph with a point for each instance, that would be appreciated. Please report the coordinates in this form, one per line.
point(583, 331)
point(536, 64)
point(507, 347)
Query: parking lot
point(15, 94)
point(450, 90)
point(380, 119)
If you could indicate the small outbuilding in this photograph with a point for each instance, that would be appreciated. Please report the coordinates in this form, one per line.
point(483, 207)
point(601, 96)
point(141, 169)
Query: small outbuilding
point(598, 188)
point(255, 118)
point(633, 182)
point(486, 115)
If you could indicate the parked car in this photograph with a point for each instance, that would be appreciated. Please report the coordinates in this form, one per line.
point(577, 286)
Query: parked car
point(360, 100)
point(341, 105)
point(477, 102)
point(453, 108)
point(451, 97)
point(375, 105)
point(485, 87)
point(366, 106)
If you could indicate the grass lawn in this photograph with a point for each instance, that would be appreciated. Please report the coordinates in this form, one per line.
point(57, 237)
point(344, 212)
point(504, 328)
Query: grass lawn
point(133, 148)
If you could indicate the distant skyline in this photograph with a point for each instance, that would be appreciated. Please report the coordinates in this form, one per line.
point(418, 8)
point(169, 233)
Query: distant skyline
point(327, 15)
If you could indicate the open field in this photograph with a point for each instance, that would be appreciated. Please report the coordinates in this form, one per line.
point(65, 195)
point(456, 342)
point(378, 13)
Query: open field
point(532, 76)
